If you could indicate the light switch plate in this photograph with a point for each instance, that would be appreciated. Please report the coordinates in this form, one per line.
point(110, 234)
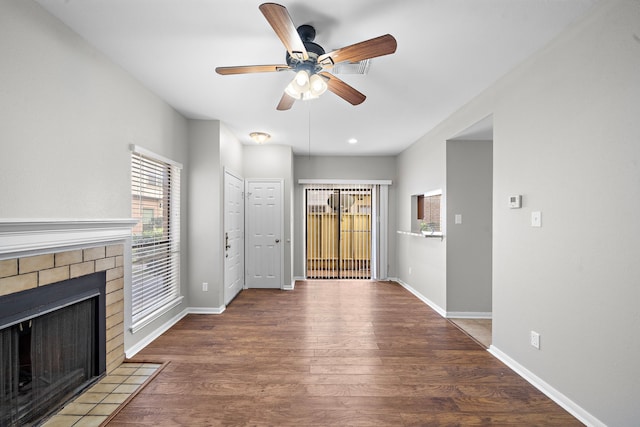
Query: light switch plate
point(458, 219)
point(536, 219)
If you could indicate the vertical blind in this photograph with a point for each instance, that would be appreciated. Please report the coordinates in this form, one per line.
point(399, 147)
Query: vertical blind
point(155, 202)
point(338, 231)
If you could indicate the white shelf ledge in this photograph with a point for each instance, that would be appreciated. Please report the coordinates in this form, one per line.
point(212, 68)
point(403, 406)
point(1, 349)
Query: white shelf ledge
point(411, 233)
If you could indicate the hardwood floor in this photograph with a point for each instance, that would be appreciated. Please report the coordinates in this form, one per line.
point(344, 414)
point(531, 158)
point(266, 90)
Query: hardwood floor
point(331, 353)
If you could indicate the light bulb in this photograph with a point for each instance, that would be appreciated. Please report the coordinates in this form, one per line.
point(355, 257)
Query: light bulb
point(292, 91)
point(308, 95)
point(318, 85)
point(302, 78)
point(301, 82)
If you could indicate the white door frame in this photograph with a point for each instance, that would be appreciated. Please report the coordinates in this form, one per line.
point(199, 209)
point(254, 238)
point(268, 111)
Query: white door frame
point(380, 224)
point(247, 184)
point(226, 298)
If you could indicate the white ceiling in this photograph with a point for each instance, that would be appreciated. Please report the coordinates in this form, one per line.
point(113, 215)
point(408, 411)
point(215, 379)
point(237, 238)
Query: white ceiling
point(448, 52)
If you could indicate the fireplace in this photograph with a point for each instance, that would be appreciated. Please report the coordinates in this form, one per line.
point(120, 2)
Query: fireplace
point(52, 346)
point(56, 255)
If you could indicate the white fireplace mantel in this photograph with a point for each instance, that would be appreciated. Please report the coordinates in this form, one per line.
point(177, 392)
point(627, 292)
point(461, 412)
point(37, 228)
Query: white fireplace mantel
point(36, 236)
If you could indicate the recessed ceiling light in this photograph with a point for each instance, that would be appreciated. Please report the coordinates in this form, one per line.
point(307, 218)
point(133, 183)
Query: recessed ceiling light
point(352, 141)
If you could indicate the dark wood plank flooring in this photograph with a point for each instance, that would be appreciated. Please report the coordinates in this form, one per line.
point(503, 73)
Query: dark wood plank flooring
point(331, 353)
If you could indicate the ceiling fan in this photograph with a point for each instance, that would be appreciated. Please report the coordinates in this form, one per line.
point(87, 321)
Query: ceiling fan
point(309, 60)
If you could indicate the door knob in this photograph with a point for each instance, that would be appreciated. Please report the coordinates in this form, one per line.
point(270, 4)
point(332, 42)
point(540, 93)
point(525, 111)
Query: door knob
point(277, 240)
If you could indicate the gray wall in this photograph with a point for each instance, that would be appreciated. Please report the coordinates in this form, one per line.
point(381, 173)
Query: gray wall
point(566, 134)
point(68, 116)
point(212, 148)
point(469, 193)
point(566, 137)
point(421, 262)
point(330, 167)
point(205, 216)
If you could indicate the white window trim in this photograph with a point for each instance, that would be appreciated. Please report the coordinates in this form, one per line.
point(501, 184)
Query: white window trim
point(154, 315)
point(141, 150)
point(170, 303)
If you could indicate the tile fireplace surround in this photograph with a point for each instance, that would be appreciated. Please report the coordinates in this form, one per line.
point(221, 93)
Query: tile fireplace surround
point(36, 253)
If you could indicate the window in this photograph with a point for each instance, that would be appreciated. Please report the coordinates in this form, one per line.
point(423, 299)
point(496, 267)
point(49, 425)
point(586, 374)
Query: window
point(427, 213)
point(155, 252)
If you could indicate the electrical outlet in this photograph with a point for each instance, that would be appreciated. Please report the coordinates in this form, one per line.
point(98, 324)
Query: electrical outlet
point(205, 287)
point(535, 339)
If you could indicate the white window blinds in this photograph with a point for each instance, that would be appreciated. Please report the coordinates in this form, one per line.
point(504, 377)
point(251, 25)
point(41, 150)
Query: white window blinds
point(155, 202)
point(339, 231)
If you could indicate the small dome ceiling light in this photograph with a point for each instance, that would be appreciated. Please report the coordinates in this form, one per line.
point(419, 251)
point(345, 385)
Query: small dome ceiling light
point(260, 137)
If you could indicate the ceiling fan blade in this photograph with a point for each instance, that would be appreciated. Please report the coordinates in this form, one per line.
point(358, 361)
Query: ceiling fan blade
point(343, 90)
point(379, 46)
point(245, 69)
point(286, 102)
point(282, 24)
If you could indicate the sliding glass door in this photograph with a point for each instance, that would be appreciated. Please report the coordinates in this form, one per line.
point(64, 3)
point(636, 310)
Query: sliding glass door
point(338, 231)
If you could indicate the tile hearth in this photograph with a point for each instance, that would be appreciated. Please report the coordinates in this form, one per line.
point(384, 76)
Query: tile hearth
point(99, 402)
point(38, 253)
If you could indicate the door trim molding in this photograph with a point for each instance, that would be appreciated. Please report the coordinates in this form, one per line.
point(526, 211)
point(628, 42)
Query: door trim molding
point(346, 181)
point(283, 240)
point(232, 173)
point(226, 171)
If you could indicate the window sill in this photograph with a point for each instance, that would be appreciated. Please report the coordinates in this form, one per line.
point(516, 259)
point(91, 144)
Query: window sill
point(153, 316)
point(438, 235)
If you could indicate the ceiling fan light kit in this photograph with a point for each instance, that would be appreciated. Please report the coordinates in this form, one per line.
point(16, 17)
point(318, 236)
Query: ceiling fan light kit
point(310, 62)
point(304, 87)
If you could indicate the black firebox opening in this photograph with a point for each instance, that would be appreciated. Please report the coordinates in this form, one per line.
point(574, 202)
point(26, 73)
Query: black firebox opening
point(52, 344)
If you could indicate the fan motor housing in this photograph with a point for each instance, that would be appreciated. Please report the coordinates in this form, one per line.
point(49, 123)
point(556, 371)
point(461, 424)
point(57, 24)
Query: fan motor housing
point(307, 33)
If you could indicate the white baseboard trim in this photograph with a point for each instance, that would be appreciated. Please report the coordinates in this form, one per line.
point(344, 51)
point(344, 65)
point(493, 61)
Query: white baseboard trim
point(469, 315)
point(562, 400)
point(293, 283)
point(421, 297)
point(291, 286)
point(129, 353)
point(206, 310)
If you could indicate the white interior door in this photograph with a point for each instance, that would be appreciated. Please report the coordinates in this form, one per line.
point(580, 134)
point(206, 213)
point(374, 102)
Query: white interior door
point(233, 236)
point(264, 234)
